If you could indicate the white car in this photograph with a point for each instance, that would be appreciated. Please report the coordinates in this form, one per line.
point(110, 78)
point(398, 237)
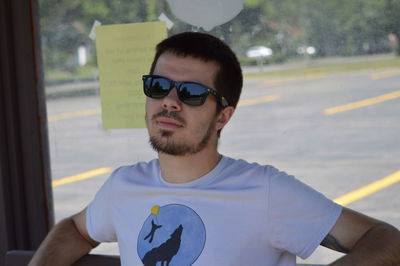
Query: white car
point(259, 52)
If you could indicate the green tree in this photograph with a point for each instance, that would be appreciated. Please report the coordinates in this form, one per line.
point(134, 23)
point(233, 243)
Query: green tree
point(390, 21)
point(65, 25)
point(334, 27)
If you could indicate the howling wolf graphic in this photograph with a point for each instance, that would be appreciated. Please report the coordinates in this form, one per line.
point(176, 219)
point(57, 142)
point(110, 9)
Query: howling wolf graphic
point(166, 251)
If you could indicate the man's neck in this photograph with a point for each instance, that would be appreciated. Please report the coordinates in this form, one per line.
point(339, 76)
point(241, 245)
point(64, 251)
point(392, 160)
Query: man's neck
point(182, 169)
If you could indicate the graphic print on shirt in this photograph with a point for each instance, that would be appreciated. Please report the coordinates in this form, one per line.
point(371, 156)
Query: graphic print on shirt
point(172, 235)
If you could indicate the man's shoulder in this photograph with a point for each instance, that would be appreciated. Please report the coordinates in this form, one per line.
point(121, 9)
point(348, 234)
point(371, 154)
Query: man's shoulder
point(139, 166)
point(135, 171)
point(240, 162)
point(240, 166)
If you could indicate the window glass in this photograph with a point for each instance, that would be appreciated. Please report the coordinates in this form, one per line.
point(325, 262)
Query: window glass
point(320, 98)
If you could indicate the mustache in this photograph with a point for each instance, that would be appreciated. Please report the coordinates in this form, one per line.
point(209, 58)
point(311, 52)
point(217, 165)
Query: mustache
point(172, 114)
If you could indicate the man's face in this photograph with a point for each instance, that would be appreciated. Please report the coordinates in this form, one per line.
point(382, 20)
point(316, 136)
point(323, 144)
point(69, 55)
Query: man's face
point(174, 127)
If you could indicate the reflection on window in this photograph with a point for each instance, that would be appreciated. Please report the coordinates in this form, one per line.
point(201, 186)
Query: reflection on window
point(299, 58)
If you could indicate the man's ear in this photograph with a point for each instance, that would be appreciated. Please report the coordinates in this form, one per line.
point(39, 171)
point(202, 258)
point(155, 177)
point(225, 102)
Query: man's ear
point(224, 116)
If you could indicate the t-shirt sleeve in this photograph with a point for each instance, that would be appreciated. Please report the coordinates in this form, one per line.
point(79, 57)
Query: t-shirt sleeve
point(299, 216)
point(99, 222)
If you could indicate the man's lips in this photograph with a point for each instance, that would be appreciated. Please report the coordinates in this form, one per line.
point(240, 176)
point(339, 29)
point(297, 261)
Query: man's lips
point(168, 123)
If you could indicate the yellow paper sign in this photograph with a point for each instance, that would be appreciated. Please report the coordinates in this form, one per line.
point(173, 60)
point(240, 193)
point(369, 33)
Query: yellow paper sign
point(124, 54)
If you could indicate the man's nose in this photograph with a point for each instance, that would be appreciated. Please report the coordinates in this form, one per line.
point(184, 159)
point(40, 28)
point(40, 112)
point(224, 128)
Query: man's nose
point(171, 102)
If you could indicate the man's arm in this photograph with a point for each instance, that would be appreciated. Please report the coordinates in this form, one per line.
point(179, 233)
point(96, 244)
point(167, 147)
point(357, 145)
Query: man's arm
point(66, 243)
point(366, 241)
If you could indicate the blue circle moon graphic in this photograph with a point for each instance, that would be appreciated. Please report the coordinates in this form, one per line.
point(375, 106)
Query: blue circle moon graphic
point(173, 234)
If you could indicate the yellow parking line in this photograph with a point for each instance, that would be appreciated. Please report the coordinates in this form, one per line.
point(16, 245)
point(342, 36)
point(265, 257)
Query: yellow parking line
point(98, 111)
point(385, 74)
point(359, 104)
point(314, 76)
point(274, 83)
point(81, 176)
point(369, 189)
point(74, 114)
point(257, 100)
point(343, 200)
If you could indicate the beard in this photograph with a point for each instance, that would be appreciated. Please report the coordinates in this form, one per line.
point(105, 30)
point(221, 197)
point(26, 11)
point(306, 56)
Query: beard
point(164, 143)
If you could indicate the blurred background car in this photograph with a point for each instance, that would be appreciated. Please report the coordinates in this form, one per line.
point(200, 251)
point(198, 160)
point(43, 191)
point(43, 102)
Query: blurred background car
point(256, 52)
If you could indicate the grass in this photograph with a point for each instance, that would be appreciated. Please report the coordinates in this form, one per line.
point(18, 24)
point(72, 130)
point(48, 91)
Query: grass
point(330, 68)
point(78, 73)
point(312, 68)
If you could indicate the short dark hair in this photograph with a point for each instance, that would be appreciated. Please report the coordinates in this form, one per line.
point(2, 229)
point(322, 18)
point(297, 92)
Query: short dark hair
point(228, 80)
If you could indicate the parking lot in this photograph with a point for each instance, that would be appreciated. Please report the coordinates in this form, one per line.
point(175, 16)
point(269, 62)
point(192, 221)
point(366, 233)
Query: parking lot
point(335, 132)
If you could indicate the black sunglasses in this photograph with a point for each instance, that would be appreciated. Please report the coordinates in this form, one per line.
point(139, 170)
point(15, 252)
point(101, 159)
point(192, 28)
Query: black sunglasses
point(190, 93)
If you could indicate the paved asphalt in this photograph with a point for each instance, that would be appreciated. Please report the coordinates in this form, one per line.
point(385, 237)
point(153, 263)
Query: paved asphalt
point(335, 154)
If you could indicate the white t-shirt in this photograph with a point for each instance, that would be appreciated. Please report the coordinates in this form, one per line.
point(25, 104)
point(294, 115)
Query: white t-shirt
point(239, 214)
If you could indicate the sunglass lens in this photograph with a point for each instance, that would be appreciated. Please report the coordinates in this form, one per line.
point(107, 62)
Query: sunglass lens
point(156, 87)
point(192, 94)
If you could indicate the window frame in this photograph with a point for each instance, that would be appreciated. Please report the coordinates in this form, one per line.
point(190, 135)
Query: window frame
point(26, 206)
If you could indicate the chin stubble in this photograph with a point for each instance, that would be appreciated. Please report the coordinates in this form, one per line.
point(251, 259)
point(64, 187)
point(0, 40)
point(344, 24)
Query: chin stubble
point(165, 144)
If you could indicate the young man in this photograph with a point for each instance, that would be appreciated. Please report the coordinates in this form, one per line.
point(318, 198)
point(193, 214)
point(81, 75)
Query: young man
point(194, 206)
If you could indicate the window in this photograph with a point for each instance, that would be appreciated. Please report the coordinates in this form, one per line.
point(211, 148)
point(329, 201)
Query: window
point(320, 100)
